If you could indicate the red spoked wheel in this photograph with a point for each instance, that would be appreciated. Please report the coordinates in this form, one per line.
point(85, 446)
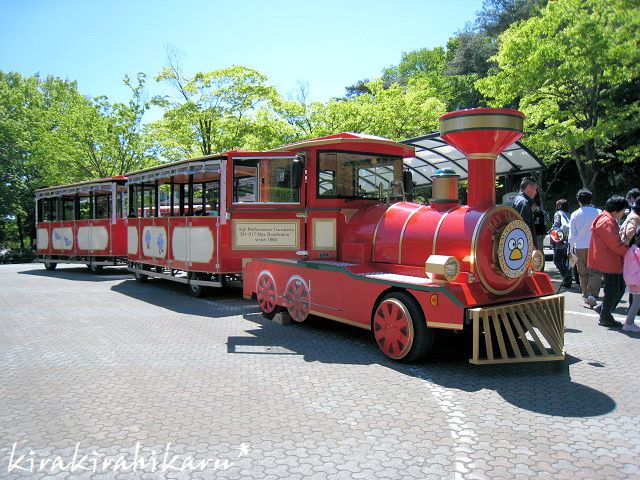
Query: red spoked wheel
point(297, 298)
point(267, 294)
point(400, 329)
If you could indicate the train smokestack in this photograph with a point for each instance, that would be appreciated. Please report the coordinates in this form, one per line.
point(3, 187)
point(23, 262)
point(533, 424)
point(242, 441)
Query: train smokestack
point(481, 134)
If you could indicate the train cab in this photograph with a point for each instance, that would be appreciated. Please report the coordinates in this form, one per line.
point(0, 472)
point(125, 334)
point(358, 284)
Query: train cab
point(82, 223)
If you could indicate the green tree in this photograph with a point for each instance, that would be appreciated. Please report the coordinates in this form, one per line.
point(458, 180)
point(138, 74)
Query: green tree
point(497, 16)
point(300, 116)
point(100, 139)
point(50, 134)
point(26, 159)
point(211, 111)
point(394, 112)
point(561, 70)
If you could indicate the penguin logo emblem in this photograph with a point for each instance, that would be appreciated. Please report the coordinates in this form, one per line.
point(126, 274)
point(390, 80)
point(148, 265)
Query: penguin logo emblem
point(514, 249)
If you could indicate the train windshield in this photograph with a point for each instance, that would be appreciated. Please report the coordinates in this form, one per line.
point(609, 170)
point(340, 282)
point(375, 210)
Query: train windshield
point(356, 175)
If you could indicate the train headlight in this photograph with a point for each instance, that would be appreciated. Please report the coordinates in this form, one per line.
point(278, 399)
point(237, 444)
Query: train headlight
point(442, 266)
point(537, 260)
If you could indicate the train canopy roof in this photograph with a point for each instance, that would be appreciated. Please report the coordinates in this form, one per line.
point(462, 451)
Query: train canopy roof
point(203, 169)
point(100, 185)
point(433, 153)
point(208, 165)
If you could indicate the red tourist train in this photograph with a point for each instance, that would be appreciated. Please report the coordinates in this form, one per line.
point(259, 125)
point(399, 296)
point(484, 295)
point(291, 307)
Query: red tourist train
point(322, 227)
point(82, 223)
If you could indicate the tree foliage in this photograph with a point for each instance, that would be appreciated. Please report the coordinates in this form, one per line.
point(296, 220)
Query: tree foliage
point(50, 134)
point(209, 112)
point(564, 70)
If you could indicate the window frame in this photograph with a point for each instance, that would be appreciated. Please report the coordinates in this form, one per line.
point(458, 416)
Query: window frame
point(258, 180)
point(319, 153)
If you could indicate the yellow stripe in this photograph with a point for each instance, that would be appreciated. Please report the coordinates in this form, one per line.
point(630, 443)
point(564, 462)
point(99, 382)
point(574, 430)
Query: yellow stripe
point(450, 326)
point(375, 233)
point(402, 232)
point(340, 319)
point(435, 235)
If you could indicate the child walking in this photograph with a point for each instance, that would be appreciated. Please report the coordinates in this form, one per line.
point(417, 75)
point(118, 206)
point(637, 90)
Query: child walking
point(632, 279)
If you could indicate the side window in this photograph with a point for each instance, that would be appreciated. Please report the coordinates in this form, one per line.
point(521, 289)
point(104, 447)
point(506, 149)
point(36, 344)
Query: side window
point(327, 175)
point(164, 195)
point(212, 195)
point(55, 209)
point(68, 208)
point(266, 180)
point(46, 212)
point(40, 210)
point(149, 200)
point(103, 206)
point(133, 201)
point(121, 204)
point(356, 175)
point(198, 200)
point(85, 208)
point(245, 181)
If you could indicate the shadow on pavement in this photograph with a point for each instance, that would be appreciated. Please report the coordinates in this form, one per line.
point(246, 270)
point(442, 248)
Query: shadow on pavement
point(541, 387)
point(174, 296)
point(79, 273)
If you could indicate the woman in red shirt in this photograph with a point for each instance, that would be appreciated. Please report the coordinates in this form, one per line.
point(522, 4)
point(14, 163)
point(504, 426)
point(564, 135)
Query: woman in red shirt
point(606, 254)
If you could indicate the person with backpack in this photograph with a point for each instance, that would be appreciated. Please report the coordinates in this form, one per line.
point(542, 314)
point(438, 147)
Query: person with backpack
point(631, 273)
point(559, 234)
point(630, 225)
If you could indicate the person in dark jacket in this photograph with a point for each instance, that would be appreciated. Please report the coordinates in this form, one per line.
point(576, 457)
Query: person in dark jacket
point(523, 205)
point(606, 255)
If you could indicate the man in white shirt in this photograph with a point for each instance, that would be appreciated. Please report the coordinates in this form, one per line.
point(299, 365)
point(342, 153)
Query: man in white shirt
point(579, 238)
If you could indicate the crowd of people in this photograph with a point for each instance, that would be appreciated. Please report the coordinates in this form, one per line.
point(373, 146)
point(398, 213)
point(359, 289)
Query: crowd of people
point(597, 248)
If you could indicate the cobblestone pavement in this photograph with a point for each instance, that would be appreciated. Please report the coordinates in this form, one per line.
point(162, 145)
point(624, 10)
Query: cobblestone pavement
point(101, 365)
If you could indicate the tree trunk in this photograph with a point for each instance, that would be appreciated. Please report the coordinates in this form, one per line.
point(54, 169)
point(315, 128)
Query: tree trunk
point(586, 172)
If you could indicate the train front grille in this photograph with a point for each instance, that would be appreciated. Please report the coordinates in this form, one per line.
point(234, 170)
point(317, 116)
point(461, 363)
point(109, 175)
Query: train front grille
point(526, 331)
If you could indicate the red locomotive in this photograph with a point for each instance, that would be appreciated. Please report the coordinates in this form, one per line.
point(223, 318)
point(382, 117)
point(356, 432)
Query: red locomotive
point(82, 223)
point(404, 270)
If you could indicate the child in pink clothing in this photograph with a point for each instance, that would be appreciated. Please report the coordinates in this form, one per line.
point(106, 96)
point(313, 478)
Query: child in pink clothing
point(631, 274)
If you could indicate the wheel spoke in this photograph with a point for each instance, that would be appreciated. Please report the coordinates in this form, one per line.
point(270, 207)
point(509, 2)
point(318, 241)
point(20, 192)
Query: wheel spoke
point(392, 328)
point(266, 294)
point(297, 298)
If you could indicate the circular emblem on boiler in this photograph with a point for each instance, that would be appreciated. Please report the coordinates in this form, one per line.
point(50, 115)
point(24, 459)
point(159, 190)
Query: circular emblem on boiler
point(514, 249)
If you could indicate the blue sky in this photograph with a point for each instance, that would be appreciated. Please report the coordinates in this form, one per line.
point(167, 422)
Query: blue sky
point(329, 44)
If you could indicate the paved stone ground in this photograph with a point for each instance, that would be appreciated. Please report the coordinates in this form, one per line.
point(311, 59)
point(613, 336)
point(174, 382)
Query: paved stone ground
point(104, 363)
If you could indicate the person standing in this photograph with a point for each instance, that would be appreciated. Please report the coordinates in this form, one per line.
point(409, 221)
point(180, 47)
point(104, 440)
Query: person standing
point(559, 236)
point(579, 238)
point(631, 223)
point(631, 274)
point(523, 204)
point(606, 255)
point(629, 227)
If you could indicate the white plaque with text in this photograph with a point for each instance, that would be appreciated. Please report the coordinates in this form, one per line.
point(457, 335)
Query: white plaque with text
point(266, 234)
